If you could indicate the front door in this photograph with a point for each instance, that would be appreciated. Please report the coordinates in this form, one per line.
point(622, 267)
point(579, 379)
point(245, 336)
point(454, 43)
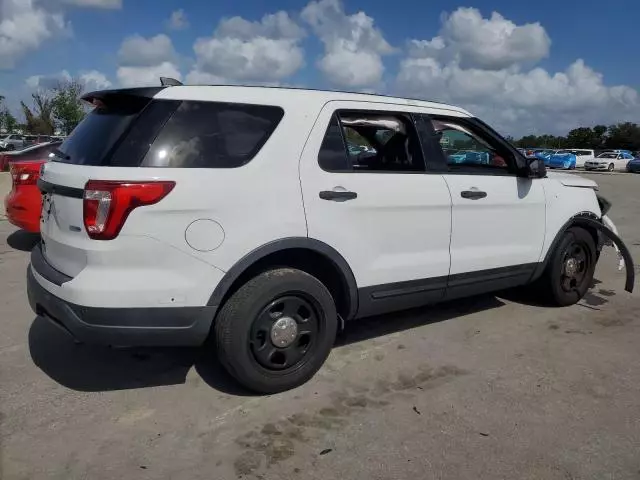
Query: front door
point(498, 218)
point(367, 194)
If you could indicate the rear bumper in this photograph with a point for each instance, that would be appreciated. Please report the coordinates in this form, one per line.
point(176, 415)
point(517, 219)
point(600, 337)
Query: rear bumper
point(169, 326)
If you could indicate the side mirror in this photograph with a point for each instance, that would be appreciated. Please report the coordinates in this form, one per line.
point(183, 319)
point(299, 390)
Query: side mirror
point(535, 168)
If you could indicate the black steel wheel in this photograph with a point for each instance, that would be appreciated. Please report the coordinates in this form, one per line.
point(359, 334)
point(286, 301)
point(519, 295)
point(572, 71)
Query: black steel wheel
point(569, 272)
point(284, 332)
point(275, 332)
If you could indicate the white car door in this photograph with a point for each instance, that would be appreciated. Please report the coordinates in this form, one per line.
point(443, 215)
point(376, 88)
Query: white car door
point(498, 218)
point(367, 195)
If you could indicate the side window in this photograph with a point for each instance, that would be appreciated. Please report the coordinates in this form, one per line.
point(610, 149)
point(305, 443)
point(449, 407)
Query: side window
point(358, 141)
point(333, 153)
point(213, 135)
point(466, 148)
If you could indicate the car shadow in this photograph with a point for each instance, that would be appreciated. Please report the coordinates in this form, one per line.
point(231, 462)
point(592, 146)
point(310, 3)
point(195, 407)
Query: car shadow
point(91, 368)
point(372, 327)
point(23, 240)
point(528, 296)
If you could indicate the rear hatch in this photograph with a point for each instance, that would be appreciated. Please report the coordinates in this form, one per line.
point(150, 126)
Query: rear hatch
point(113, 137)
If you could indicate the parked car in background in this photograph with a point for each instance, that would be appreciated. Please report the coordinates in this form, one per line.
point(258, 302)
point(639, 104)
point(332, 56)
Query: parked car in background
point(531, 152)
point(470, 157)
point(11, 142)
point(24, 202)
point(561, 159)
point(633, 165)
point(36, 139)
point(582, 155)
point(28, 153)
point(609, 161)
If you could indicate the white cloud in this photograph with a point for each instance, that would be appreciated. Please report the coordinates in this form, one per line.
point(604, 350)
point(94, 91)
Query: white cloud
point(138, 51)
point(144, 76)
point(111, 4)
point(24, 26)
point(521, 101)
point(178, 20)
point(91, 80)
point(243, 51)
point(35, 82)
point(196, 77)
point(492, 43)
point(94, 80)
point(353, 45)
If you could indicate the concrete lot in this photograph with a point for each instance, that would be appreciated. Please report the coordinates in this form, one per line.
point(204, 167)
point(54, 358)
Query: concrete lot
point(488, 388)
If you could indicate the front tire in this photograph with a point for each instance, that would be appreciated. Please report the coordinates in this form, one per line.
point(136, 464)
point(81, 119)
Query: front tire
point(569, 273)
point(610, 167)
point(277, 330)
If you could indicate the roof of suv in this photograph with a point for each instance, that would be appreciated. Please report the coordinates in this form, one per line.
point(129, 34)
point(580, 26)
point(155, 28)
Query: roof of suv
point(282, 95)
point(269, 95)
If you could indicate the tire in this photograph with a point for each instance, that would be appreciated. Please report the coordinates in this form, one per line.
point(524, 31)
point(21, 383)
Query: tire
point(610, 167)
point(554, 286)
point(11, 147)
point(244, 332)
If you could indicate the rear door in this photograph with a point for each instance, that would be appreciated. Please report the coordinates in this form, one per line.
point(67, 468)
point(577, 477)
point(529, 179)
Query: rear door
point(367, 194)
point(498, 218)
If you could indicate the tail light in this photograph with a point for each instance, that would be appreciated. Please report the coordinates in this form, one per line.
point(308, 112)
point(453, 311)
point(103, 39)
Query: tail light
point(107, 204)
point(25, 173)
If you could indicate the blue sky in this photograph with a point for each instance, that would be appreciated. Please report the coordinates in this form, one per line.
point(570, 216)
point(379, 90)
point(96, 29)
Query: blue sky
point(518, 69)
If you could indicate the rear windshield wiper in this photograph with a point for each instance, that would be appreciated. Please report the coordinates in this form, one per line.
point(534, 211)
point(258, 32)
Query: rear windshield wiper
point(60, 154)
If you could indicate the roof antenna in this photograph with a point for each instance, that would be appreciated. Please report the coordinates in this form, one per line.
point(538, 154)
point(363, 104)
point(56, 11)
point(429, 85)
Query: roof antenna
point(169, 82)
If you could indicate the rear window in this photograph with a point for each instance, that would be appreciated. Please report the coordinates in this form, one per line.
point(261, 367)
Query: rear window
point(185, 134)
point(213, 135)
point(93, 139)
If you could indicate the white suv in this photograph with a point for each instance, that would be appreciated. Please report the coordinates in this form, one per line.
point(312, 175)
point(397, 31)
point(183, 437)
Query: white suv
point(245, 212)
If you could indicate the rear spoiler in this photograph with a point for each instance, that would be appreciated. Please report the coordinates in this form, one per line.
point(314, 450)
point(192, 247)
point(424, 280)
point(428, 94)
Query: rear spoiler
point(105, 95)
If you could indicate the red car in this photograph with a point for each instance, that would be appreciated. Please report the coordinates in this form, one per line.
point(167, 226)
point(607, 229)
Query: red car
point(23, 203)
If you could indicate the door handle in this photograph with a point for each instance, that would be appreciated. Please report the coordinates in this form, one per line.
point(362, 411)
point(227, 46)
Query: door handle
point(338, 195)
point(473, 194)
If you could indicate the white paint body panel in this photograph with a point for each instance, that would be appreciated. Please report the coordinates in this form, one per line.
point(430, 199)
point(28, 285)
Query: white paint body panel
point(398, 229)
point(505, 228)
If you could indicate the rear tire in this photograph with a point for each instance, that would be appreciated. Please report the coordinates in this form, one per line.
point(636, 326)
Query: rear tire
point(254, 350)
point(611, 167)
point(569, 273)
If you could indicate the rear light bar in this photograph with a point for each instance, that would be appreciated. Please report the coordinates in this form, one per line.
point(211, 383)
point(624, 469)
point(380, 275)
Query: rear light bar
point(107, 204)
point(25, 173)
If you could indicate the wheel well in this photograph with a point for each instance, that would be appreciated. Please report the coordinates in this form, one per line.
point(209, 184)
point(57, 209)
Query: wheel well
point(309, 261)
point(592, 231)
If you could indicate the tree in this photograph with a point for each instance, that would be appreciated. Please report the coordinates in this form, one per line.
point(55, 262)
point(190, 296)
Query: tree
point(624, 135)
point(7, 120)
point(68, 109)
point(39, 120)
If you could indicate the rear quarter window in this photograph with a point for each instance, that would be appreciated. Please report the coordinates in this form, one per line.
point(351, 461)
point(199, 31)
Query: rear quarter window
point(213, 135)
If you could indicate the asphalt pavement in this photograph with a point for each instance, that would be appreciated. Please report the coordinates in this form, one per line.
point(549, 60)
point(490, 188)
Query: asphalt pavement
point(493, 387)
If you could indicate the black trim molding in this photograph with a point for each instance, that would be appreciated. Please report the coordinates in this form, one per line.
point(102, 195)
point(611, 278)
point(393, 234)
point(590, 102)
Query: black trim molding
point(386, 298)
point(64, 191)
